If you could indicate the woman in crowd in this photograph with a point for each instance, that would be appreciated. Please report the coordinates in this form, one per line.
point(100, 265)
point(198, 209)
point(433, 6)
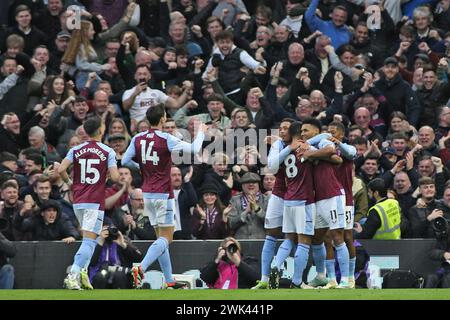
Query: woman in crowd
point(210, 218)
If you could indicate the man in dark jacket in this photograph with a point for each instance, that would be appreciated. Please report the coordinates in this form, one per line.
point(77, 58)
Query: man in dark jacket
point(230, 59)
point(404, 189)
point(221, 177)
point(398, 92)
point(278, 49)
point(16, 98)
point(318, 55)
point(291, 66)
point(7, 250)
point(424, 212)
point(13, 138)
point(363, 45)
point(185, 199)
point(433, 95)
point(11, 207)
point(427, 141)
point(64, 127)
point(49, 225)
point(33, 36)
point(48, 21)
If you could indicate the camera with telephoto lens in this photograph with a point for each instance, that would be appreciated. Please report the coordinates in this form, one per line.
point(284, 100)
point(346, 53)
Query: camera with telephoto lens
point(4, 224)
point(118, 269)
point(232, 248)
point(440, 227)
point(113, 233)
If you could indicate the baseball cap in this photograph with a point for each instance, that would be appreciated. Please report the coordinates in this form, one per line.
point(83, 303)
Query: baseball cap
point(423, 57)
point(64, 34)
point(391, 60)
point(388, 150)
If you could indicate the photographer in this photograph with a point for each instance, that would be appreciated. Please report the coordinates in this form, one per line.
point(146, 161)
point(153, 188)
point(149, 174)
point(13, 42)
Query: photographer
point(441, 252)
point(113, 257)
point(230, 270)
point(441, 209)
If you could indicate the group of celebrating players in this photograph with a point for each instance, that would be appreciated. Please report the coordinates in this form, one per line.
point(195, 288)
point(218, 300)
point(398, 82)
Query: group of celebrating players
point(311, 202)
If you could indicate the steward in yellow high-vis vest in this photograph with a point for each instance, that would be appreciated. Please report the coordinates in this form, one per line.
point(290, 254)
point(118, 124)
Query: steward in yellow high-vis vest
point(383, 220)
point(389, 212)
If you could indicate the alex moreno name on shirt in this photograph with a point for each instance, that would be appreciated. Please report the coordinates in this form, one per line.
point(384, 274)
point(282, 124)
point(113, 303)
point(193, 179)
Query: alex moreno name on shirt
point(91, 150)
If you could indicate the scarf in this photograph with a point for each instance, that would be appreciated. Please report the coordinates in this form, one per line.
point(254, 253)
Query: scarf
point(245, 202)
point(211, 217)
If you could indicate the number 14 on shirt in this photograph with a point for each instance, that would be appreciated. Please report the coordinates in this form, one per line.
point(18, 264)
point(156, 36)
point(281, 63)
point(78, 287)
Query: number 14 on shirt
point(146, 152)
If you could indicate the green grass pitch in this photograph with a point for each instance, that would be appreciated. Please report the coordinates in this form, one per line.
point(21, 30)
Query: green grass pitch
point(282, 294)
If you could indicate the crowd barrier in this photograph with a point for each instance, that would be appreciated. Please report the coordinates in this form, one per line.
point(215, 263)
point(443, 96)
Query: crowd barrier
point(43, 265)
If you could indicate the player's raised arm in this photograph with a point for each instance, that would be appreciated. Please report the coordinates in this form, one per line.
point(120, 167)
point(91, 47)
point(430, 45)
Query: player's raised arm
point(277, 155)
point(127, 159)
point(175, 144)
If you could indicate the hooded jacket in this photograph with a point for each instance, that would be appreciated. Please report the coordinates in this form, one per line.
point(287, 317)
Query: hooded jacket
point(61, 228)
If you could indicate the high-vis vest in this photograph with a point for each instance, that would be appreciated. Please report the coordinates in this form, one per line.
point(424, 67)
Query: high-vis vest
point(389, 213)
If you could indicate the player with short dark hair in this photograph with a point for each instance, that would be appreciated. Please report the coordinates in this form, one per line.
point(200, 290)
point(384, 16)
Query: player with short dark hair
point(273, 221)
point(344, 173)
point(92, 161)
point(330, 203)
point(299, 208)
point(152, 150)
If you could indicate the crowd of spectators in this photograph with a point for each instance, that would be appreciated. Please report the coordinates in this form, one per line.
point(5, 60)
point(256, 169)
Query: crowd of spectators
point(379, 67)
